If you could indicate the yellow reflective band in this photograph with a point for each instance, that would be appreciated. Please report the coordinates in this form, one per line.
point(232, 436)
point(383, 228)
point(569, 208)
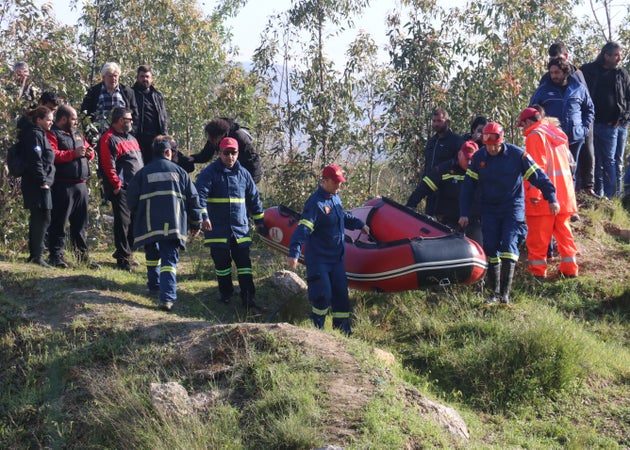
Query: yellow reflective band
point(244, 271)
point(341, 315)
point(430, 183)
point(165, 229)
point(172, 232)
point(472, 174)
point(147, 211)
point(162, 193)
point(258, 216)
point(533, 168)
point(494, 260)
point(319, 312)
point(451, 176)
point(153, 263)
point(204, 211)
point(243, 239)
point(225, 200)
point(508, 255)
point(216, 241)
point(168, 269)
point(307, 223)
point(224, 272)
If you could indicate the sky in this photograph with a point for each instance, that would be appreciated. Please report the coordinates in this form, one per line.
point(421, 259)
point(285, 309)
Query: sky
point(252, 19)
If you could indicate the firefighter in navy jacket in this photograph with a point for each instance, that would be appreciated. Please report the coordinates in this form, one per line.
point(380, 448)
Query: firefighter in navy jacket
point(322, 230)
point(446, 180)
point(227, 194)
point(498, 170)
point(164, 201)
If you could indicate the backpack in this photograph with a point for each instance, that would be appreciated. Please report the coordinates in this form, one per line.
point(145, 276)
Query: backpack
point(15, 160)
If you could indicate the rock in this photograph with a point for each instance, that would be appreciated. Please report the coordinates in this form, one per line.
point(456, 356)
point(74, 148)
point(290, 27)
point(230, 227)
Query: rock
point(388, 358)
point(443, 415)
point(170, 399)
point(289, 282)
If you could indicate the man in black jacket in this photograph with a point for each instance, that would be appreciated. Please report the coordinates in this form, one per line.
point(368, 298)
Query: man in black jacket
point(152, 118)
point(69, 192)
point(609, 86)
point(441, 147)
point(218, 129)
point(103, 97)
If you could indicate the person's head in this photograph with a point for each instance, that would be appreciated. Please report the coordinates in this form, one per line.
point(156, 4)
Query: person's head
point(144, 76)
point(122, 120)
point(528, 117)
point(50, 100)
point(492, 138)
point(66, 118)
point(162, 147)
point(558, 50)
point(332, 177)
point(228, 151)
point(464, 155)
point(440, 121)
point(42, 117)
point(21, 72)
point(111, 75)
point(216, 130)
point(476, 127)
point(610, 55)
point(559, 70)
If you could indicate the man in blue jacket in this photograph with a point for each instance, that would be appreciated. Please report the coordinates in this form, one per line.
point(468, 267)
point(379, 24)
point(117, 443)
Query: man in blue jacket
point(568, 100)
point(228, 193)
point(498, 170)
point(322, 230)
point(164, 201)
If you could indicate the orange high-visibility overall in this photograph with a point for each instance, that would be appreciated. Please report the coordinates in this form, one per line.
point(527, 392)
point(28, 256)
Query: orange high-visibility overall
point(548, 147)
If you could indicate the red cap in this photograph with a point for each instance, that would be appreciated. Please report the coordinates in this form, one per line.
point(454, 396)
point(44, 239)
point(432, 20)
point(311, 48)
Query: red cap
point(228, 143)
point(469, 148)
point(334, 173)
point(527, 113)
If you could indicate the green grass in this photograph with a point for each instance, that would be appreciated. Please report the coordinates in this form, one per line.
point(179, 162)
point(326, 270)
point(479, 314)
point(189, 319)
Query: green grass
point(552, 370)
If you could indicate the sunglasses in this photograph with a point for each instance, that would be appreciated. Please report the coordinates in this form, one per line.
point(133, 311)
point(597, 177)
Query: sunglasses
point(230, 152)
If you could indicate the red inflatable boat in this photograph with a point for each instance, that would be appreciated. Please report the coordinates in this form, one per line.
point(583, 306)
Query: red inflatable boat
point(405, 251)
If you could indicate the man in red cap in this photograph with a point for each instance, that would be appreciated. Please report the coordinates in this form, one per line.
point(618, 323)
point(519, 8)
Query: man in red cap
point(445, 181)
point(322, 230)
point(548, 147)
point(497, 170)
point(227, 194)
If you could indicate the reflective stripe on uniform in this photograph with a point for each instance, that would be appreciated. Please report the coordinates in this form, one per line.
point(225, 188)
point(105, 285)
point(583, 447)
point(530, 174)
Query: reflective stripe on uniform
point(319, 312)
point(225, 200)
point(472, 174)
point(508, 255)
point(430, 183)
point(307, 223)
point(153, 262)
point(341, 315)
point(223, 272)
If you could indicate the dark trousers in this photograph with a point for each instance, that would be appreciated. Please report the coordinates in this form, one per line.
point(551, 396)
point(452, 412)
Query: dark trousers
point(123, 226)
point(223, 258)
point(328, 291)
point(70, 203)
point(585, 173)
point(37, 225)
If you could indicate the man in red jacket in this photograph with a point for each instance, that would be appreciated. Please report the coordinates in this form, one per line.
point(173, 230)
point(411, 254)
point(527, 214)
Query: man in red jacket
point(547, 145)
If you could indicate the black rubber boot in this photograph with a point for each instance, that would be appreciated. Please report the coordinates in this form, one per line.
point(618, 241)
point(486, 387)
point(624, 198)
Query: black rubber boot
point(507, 275)
point(494, 282)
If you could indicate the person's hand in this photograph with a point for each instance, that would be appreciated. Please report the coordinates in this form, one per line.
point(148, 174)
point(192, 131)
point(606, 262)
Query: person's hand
point(262, 229)
point(463, 221)
point(206, 225)
point(554, 208)
point(44, 186)
point(365, 230)
point(292, 263)
point(79, 152)
point(195, 232)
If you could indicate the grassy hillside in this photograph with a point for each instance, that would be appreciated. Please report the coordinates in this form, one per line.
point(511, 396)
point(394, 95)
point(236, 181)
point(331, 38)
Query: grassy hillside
point(86, 357)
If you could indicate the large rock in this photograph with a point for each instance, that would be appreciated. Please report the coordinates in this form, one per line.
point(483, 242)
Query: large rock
point(289, 282)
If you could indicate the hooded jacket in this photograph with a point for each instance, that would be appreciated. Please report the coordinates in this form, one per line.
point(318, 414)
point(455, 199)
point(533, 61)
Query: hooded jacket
point(572, 106)
point(548, 146)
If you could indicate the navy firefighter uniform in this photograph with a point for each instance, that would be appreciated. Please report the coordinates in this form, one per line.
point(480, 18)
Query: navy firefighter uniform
point(321, 228)
point(165, 203)
point(499, 178)
point(227, 195)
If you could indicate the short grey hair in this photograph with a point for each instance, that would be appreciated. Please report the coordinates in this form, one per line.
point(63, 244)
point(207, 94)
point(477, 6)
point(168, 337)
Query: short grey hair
point(110, 67)
point(20, 65)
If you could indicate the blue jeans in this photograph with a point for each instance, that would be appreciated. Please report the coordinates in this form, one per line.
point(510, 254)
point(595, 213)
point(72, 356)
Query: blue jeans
point(609, 143)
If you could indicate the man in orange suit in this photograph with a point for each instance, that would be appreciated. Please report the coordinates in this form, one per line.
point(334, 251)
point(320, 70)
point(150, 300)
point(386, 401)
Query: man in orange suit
point(547, 145)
